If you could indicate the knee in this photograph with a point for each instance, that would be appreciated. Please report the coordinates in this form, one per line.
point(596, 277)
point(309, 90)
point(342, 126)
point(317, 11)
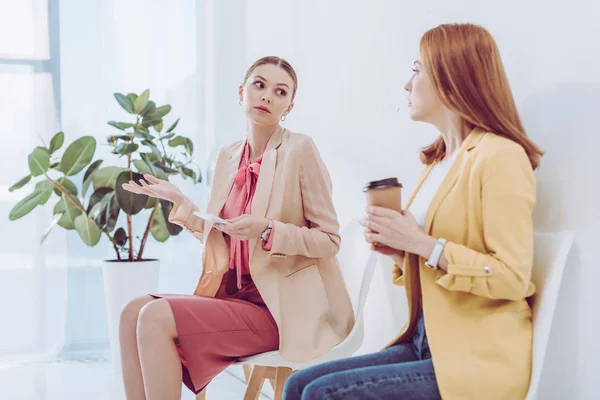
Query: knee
point(131, 311)
point(156, 317)
point(294, 386)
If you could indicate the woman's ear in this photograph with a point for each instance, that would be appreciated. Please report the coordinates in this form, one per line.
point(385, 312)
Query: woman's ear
point(241, 93)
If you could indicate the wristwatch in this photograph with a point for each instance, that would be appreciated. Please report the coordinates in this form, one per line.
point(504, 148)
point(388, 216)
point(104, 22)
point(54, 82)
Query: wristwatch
point(267, 232)
point(434, 258)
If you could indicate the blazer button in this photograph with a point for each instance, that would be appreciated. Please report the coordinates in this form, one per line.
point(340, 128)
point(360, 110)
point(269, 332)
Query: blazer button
point(487, 270)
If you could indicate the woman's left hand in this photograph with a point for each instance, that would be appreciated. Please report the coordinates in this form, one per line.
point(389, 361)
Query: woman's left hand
point(244, 227)
point(391, 228)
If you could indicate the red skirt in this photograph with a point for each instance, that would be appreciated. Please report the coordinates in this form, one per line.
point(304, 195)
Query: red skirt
point(214, 332)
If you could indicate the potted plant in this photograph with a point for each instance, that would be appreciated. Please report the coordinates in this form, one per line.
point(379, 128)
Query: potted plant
point(95, 207)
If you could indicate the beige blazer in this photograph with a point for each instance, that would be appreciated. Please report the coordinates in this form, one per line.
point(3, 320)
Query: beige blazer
point(477, 316)
point(299, 278)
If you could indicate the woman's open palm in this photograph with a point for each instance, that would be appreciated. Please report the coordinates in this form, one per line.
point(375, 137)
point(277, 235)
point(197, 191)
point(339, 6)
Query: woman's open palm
point(158, 188)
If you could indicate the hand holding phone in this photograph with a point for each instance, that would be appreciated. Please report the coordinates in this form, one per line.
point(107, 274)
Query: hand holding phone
point(210, 217)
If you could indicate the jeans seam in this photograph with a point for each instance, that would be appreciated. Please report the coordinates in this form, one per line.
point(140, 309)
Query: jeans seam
point(393, 379)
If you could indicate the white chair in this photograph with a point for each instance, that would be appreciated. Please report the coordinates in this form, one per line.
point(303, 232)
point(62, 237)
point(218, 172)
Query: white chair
point(551, 251)
point(354, 253)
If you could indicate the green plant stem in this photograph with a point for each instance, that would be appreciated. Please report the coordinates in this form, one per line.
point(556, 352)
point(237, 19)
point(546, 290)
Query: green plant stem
point(147, 231)
point(68, 195)
point(129, 219)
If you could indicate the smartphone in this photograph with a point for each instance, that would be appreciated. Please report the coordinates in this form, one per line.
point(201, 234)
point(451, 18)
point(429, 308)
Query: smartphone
point(212, 218)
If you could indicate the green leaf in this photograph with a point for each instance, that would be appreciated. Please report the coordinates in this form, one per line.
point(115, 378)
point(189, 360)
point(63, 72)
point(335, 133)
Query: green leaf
point(177, 141)
point(78, 155)
point(167, 136)
point(165, 168)
point(120, 125)
point(166, 208)
point(189, 146)
point(106, 212)
point(187, 172)
point(45, 189)
point(51, 224)
point(150, 120)
point(173, 126)
point(97, 197)
point(87, 177)
point(54, 164)
point(40, 195)
point(39, 161)
point(57, 141)
point(156, 155)
point(120, 237)
point(130, 203)
point(67, 184)
point(112, 213)
point(127, 148)
point(159, 229)
point(163, 110)
point(20, 184)
point(149, 109)
point(106, 177)
point(141, 128)
point(150, 203)
point(125, 102)
point(144, 135)
point(69, 212)
point(144, 167)
point(133, 97)
point(158, 127)
point(141, 102)
point(88, 230)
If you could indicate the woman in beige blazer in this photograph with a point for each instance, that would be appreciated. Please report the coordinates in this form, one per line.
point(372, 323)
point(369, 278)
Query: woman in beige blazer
point(463, 247)
point(270, 279)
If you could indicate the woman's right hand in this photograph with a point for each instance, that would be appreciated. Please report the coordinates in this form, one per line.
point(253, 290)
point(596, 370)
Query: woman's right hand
point(158, 188)
point(397, 255)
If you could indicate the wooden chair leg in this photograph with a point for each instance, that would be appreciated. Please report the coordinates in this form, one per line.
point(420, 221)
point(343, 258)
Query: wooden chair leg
point(281, 375)
point(257, 378)
point(201, 395)
point(247, 371)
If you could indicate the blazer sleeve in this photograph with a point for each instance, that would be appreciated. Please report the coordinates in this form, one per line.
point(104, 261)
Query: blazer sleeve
point(321, 237)
point(507, 196)
point(183, 215)
point(397, 275)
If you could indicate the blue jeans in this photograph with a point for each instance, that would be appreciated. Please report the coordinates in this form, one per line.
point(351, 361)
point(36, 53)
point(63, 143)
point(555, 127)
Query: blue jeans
point(402, 372)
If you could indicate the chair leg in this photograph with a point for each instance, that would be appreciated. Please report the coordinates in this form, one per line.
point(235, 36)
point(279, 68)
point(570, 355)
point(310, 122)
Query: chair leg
point(247, 371)
point(201, 395)
point(257, 378)
point(281, 375)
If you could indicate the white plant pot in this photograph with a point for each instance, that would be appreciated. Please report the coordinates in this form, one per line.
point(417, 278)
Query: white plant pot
point(124, 281)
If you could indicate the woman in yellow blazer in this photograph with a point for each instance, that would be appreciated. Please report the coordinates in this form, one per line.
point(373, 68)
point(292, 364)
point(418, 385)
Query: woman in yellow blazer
point(270, 279)
point(463, 247)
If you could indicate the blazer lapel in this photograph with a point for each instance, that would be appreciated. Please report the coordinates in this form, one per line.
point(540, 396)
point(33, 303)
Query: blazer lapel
point(223, 181)
point(264, 185)
point(452, 176)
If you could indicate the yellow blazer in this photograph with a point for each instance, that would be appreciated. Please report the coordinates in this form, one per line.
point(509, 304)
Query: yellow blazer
point(477, 318)
point(299, 278)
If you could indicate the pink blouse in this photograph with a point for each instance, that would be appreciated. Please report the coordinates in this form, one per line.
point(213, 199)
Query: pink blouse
point(239, 202)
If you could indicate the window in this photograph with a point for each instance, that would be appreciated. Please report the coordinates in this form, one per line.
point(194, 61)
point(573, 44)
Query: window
point(29, 113)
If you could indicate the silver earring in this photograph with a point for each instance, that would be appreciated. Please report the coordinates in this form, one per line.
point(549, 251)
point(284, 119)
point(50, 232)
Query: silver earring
point(283, 117)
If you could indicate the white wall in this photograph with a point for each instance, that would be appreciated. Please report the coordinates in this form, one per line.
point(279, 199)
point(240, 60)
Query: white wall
point(353, 58)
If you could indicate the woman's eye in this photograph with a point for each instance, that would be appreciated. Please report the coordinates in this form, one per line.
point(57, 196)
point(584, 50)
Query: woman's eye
point(281, 92)
point(259, 84)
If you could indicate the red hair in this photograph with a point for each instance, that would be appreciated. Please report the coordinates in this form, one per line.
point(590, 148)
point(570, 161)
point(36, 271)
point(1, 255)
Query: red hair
point(465, 67)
